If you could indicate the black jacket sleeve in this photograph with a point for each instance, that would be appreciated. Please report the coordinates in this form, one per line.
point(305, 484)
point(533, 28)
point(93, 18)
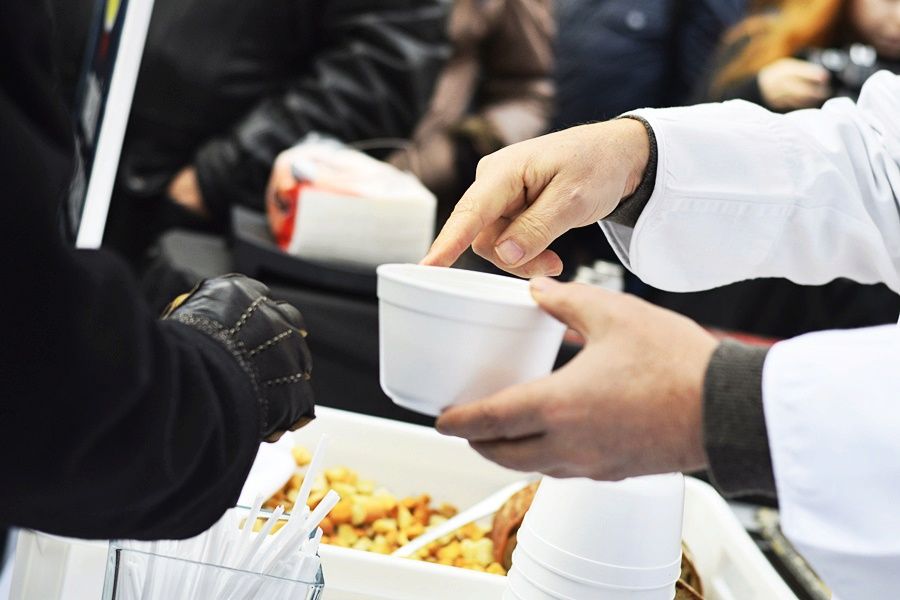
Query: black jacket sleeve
point(373, 78)
point(112, 423)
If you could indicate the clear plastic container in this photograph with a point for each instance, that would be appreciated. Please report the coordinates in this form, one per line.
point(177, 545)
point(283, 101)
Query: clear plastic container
point(133, 574)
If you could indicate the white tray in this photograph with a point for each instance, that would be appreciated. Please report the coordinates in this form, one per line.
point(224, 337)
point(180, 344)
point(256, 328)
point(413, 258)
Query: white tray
point(410, 460)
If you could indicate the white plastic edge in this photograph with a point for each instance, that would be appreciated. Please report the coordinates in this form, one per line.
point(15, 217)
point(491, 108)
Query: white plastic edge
point(115, 120)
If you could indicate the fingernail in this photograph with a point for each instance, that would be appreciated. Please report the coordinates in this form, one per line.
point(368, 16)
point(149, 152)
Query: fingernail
point(509, 252)
point(543, 284)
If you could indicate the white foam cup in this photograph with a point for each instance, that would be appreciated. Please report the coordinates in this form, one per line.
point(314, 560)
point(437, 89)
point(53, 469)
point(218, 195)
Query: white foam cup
point(449, 336)
point(625, 533)
point(580, 570)
point(509, 594)
point(521, 588)
point(565, 586)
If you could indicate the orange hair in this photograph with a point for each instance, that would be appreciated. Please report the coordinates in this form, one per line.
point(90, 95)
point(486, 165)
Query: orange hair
point(796, 25)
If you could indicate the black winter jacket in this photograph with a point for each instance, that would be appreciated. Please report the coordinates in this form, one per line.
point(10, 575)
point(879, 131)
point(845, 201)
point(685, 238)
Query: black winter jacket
point(225, 85)
point(112, 423)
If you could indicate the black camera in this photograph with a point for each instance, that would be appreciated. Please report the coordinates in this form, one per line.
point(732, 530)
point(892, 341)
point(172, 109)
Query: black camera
point(849, 67)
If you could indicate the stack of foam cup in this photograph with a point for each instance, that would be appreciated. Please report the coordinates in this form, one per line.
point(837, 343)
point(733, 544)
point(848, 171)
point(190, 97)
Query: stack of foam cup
point(600, 540)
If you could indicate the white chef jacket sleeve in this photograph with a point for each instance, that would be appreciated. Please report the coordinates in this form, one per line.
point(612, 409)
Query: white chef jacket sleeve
point(832, 410)
point(742, 193)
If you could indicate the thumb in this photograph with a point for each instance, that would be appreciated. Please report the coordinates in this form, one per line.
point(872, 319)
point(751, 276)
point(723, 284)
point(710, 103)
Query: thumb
point(574, 304)
point(533, 230)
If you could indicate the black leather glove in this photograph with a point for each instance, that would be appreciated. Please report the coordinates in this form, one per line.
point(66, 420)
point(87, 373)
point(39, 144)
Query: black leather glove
point(265, 337)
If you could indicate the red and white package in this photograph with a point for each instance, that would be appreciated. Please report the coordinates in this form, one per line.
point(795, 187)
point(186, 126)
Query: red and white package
point(349, 207)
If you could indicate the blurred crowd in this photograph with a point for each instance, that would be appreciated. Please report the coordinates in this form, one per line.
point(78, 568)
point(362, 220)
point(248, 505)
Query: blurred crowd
point(455, 81)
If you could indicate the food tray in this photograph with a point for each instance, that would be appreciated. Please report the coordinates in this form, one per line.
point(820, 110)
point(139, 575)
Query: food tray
point(411, 459)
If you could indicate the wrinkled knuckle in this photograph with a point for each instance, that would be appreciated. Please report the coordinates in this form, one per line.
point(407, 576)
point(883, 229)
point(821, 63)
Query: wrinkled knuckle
point(534, 227)
point(532, 172)
point(466, 209)
point(573, 195)
point(581, 205)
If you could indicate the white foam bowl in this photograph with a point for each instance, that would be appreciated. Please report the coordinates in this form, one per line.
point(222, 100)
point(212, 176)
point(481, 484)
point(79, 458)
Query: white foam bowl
point(449, 336)
point(624, 533)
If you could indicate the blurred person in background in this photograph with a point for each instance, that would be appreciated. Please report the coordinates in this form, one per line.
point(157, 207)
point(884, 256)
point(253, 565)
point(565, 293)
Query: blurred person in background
point(797, 54)
point(769, 307)
point(113, 423)
point(806, 51)
point(616, 55)
point(495, 90)
point(226, 85)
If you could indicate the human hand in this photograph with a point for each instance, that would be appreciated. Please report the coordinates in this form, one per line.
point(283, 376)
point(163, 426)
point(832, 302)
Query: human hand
point(528, 194)
point(628, 404)
point(184, 190)
point(281, 183)
point(266, 338)
point(791, 83)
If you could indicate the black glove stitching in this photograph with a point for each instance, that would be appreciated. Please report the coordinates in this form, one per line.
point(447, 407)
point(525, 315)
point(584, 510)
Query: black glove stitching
point(242, 320)
point(295, 378)
point(233, 340)
point(268, 344)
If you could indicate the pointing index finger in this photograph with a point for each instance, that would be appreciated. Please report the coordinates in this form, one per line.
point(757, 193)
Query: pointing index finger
point(486, 200)
point(458, 233)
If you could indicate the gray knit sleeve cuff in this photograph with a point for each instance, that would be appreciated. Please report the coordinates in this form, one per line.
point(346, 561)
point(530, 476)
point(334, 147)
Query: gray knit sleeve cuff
point(734, 425)
point(630, 208)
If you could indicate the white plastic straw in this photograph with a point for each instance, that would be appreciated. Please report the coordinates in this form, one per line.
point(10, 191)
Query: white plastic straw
point(312, 472)
point(183, 570)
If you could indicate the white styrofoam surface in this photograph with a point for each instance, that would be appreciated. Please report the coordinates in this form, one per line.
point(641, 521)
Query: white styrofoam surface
point(6, 566)
point(410, 460)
